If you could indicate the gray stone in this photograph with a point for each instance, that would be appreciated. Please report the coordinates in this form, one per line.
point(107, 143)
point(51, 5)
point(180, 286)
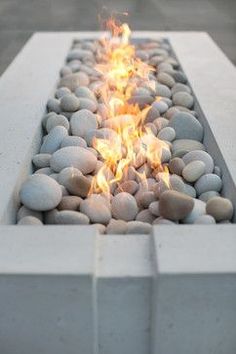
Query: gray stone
point(24, 211)
point(183, 99)
point(72, 81)
point(53, 105)
point(71, 217)
point(41, 160)
point(82, 122)
point(129, 186)
point(44, 171)
point(160, 105)
point(174, 205)
point(53, 140)
point(40, 192)
point(178, 87)
point(202, 156)
point(146, 198)
point(198, 210)
point(138, 227)
point(145, 216)
point(87, 103)
point(176, 166)
point(180, 147)
point(205, 220)
point(154, 208)
point(166, 79)
point(69, 202)
point(73, 141)
point(96, 209)
point(190, 190)
point(85, 92)
point(163, 91)
point(29, 220)
point(208, 195)
point(220, 208)
point(69, 103)
point(186, 126)
point(79, 185)
point(193, 170)
point(116, 227)
point(167, 134)
point(208, 182)
point(141, 101)
point(73, 156)
point(66, 174)
point(57, 120)
point(161, 220)
point(124, 207)
point(62, 91)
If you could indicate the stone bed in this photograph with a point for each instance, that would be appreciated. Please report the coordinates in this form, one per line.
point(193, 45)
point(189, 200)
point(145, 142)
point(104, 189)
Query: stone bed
point(78, 291)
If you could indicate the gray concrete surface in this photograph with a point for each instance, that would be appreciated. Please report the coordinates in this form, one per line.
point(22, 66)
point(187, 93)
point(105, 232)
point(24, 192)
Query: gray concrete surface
point(20, 18)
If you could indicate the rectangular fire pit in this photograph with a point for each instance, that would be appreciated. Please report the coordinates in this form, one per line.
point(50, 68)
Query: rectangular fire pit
point(67, 289)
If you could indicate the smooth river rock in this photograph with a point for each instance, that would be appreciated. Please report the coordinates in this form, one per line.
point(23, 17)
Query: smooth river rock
point(138, 227)
point(69, 103)
point(40, 192)
point(174, 205)
point(82, 122)
point(73, 156)
point(220, 208)
point(71, 217)
point(29, 220)
point(193, 170)
point(208, 182)
point(116, 227)
point(200, 156)
point(182, 98)
point(198, 210)
point(53, 140)
point(124, 207)
point(96, 209)
point(186, 126)
point(180, 147)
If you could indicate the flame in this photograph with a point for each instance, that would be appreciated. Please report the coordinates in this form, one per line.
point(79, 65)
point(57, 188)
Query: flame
point(122, 72)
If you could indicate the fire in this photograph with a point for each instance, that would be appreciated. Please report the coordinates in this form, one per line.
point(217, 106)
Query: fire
point(122, 72)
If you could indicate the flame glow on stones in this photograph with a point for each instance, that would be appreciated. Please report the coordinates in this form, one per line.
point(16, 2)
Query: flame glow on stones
point(122, 73)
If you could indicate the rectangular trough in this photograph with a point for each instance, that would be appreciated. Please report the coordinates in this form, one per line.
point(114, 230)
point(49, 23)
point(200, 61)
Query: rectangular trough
point(67, 289)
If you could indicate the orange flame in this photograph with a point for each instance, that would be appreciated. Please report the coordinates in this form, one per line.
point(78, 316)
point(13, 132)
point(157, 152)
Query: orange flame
point(122, 71)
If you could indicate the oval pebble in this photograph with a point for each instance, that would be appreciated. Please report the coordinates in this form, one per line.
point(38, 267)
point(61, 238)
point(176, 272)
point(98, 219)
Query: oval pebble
point(73, 141)
point(85, 92)
point(174, 205)
point(29, 220)
point(165, 79)
point(40, 192)
point(176, 166)
point(186, 126)
point(116, 227)
point(208, 195)
point(138, 227)
point(53, 140)
point(96, 210)
point(53, 105)
point(193, 170)
point(208, 182)
point(202, 156)
point(205, 220)
point(182, 98)
point(145, 216)
point(41, 160)
point(73, 156)
point(69, 202)
point(71, 217)
point(124, 207)
point(57, 120)
point(178, 87)
point(72, 81)
point(24, 211)
point(220, 208)
point(180, 147)
point(83, 122)
point(167, 134)
point(163, 91)
point(62, 91)
point(198, 210)
point(69, 103)
point(154, 208)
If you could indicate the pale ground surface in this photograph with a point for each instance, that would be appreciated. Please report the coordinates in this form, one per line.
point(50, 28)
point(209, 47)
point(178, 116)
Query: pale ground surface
point(20, 18)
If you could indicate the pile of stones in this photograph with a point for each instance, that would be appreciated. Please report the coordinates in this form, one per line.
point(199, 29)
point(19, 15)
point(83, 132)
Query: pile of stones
point(58, 190)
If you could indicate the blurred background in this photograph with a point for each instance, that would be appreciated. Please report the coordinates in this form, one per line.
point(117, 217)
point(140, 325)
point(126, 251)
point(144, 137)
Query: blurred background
point(20, 18)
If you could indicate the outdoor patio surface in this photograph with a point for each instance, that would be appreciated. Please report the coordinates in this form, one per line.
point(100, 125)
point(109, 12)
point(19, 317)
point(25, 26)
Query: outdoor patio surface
point(20, 18)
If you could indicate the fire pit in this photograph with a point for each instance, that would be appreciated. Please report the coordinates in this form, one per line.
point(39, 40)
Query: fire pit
point(111, 294)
